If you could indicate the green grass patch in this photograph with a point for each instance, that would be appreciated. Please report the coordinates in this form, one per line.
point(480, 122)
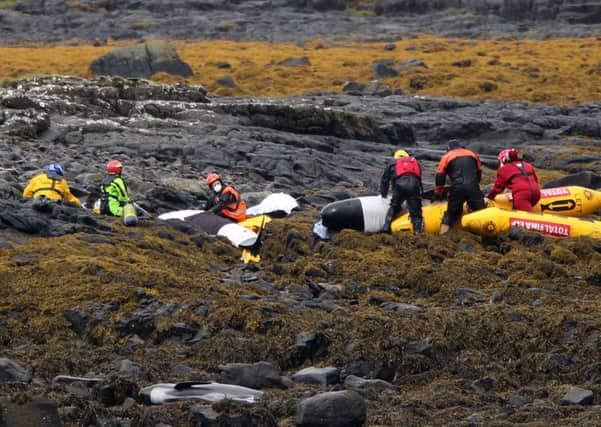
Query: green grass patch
point(6, 4)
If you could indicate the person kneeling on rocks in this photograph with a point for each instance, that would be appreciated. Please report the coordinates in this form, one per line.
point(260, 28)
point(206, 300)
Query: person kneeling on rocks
point(225, 201)
point(113, 190)
point(51, 185)
point(406, 176)
point(520, 177)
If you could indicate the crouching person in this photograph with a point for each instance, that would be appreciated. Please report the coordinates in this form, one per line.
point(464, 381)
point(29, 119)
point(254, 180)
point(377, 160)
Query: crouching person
point(406, 176)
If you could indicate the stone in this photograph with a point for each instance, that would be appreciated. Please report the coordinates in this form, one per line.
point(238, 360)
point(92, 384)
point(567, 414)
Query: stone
point(332, 409)
point(226, 81)
point(462, 63)
point(13, 372)
point(354, 382)
point(496, 298)
point(295, 62)
point(383, 70)
point(484, 384)
point(412, 63)
point(402, 307)
point(323, 376)
point(308, 346)
point(78, 320)
point(141, 60)
point(256, 375)
point(37, 412)
point(202, 416)
point(353, 88)
point(577, 396)
point(475, 420)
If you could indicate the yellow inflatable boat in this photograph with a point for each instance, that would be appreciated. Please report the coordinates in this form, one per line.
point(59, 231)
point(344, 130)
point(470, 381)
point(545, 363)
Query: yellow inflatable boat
point(492, 221)
point(566, 201)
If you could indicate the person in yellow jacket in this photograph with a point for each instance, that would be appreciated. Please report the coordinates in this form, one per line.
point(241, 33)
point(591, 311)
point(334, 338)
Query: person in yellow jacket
point(52, 185)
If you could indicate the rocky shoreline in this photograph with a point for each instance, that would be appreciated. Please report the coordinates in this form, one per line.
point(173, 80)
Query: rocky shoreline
point(392, 329)
point(378, 330)
point(59, 21)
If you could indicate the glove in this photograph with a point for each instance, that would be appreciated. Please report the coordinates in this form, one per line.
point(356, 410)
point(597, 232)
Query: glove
point(438, 194)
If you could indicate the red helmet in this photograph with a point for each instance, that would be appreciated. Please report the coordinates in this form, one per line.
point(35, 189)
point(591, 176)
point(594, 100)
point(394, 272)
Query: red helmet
point(507, 155)
point(212, 178)
point(114, 166)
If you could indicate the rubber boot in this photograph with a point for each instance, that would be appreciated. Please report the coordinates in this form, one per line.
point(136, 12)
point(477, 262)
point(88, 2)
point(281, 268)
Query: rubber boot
point(418, 226)
point(388, 221)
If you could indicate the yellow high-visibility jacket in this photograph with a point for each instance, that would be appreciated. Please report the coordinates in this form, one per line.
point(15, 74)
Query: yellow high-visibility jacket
point(54, 189)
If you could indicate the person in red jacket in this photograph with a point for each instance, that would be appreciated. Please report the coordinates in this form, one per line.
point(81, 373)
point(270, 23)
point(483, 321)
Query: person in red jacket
point(226, 201)
point(406, 176)
point(464, 169)
point(519, 176)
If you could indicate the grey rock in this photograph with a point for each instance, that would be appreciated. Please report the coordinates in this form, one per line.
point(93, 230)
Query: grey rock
point(484, 384)
point(402, 307)
point(577, 396)
point(226, 81)
point(205, 416)
point(202, 416)
point(12, 372)
point(256, 375)
point(141, 60)
point(311, 375)
point(475, 420)
point(496, 298)
point(332, 409)
point(38, 412)
point(78, 320)
point(295, 62)
point(517, 401)
point(354, 382)
point(411, 63)
point(383, 70)
point(308, 346)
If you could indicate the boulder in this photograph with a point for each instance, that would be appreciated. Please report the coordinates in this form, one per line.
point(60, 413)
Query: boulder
point(295, 62)
point(332, 409)
point(577, 396)
point(38, 412)
point(230, 415)
point(584, 179)
point(383, 70)
point(13, 372)
point(256, 375)
point(226, 81)
point(308, 346)
point(358, 383)
point(141, 60)
point(323, 376)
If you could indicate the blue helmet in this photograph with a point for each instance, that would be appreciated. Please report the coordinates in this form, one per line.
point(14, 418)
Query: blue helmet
point(55, 169)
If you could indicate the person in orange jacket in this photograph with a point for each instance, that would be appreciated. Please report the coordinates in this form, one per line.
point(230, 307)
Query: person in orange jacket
point(52, 185)
point(225, 201)
point(464, 169)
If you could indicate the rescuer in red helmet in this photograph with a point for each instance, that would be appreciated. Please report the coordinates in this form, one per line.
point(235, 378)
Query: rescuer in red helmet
point(520, 177)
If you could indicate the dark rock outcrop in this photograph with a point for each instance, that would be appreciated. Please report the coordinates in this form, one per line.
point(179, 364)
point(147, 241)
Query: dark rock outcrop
point(257, 375)
point(332, 409)
point(13, 372)
point(141, 60)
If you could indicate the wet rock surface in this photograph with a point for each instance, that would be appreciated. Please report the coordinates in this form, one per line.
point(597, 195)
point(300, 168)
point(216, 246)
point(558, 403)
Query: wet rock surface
point(323, 142)
point(414, 325)
point(286, 20)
